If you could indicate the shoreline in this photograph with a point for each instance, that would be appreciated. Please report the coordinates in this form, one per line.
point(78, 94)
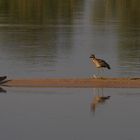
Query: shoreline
point(75, 82)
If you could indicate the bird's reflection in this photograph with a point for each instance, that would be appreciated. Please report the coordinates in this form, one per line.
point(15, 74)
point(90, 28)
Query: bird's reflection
point(98, 99)
point(2, 90)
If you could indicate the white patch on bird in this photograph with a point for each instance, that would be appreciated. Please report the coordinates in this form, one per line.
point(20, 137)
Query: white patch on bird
point(96, 63)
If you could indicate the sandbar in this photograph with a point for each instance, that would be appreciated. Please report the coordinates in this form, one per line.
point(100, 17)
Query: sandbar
point(76, 82)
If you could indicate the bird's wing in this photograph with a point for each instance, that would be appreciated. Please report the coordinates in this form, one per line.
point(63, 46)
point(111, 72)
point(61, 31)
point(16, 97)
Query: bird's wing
point(103, 63)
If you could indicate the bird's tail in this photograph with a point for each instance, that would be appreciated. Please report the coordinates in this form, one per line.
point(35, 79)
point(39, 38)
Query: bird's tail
point(108, 67)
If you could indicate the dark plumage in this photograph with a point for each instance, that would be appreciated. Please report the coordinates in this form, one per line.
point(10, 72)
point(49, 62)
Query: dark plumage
point(99, 62)
point(2, 78)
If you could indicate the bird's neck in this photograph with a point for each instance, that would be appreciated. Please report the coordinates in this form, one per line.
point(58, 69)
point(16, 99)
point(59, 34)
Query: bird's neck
point(94, 58)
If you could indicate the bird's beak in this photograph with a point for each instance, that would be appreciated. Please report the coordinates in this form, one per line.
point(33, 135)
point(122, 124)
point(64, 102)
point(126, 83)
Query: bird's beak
point(90, 57)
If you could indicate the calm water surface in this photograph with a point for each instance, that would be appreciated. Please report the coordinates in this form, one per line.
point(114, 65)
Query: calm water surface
point(51, 38)
point(55, 39)
point(34, 114)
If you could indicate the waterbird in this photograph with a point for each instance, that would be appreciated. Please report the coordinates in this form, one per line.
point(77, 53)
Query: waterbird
point(99, 63)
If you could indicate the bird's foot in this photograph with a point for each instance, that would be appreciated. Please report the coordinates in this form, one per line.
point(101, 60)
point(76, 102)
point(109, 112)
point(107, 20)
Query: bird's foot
point(94, 76)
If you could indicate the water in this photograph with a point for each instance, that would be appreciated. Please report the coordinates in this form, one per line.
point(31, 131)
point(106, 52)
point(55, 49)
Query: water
point(51, 38)
point(67, 114)
point(55, 39)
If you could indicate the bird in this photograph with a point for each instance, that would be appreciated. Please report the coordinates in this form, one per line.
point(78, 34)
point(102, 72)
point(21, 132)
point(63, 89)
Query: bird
point(99, 63)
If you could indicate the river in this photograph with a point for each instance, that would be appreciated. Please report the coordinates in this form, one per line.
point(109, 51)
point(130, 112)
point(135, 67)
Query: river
point(51, 38)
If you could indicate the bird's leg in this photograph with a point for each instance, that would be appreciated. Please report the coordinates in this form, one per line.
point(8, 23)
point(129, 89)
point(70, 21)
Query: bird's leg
point(98, 92)
point(102, 91)
point(94, 76)
point(98, 71)
point(101, 73)
point(102, 70)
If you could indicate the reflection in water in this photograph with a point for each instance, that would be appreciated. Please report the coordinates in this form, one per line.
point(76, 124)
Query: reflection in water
point(39, 11)
point(99, 99)
point(2, 90)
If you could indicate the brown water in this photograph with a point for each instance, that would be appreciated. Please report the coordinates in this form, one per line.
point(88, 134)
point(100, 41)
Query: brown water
point(54, 38)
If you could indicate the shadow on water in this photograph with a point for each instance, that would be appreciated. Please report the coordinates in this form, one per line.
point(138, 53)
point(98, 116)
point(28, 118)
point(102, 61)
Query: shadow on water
point(99, 99)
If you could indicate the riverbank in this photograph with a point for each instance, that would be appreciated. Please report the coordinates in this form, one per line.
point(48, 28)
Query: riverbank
point(76, 82)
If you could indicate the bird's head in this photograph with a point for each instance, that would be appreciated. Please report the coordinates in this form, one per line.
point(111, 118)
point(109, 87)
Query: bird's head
point(92, 56)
